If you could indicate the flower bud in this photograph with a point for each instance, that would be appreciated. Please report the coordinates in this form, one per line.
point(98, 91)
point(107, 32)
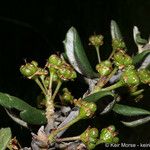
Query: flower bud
point(104, 68)
point(96, 40)
point(144, 76)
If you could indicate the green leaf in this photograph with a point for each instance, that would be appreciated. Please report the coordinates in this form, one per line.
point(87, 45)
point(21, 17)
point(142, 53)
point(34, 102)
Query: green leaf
point(115, 31)
point(15, 118)
point(76, 54)
point(139, 40)
point(140, 57)
point(137, 37)
point(98, 95)
point(38, 116)
point(129, 111)
point(5, 137)
point(11, 102)
point(137, 122)
point(8, 101)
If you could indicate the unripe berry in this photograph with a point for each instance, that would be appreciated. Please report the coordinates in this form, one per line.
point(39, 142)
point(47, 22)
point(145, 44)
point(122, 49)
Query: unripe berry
point(104, 68)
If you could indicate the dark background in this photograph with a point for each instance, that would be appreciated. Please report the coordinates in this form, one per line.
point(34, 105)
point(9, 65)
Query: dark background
point(35, 29)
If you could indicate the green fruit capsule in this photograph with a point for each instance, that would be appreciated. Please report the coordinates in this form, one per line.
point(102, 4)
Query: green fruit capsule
point(93, 132)
point(65, 72)
point(130, 77)
point(92, 140)
point(84, 137)
point(122, 60)
point(127, 60)
point(42, 71)
point(106, 136)
point(104, 68)
point(55, 77)
point(52, 69)
point(119, 58)
point(115, 140)
point(88, 140)
point(55, 60)
point(87, 109)
point(67, 98)
point(73, 75)
point(144, 76)
point(46, 81)
point(91, 146)
point(34, 63)
point(112, 128)
point(28, 69)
